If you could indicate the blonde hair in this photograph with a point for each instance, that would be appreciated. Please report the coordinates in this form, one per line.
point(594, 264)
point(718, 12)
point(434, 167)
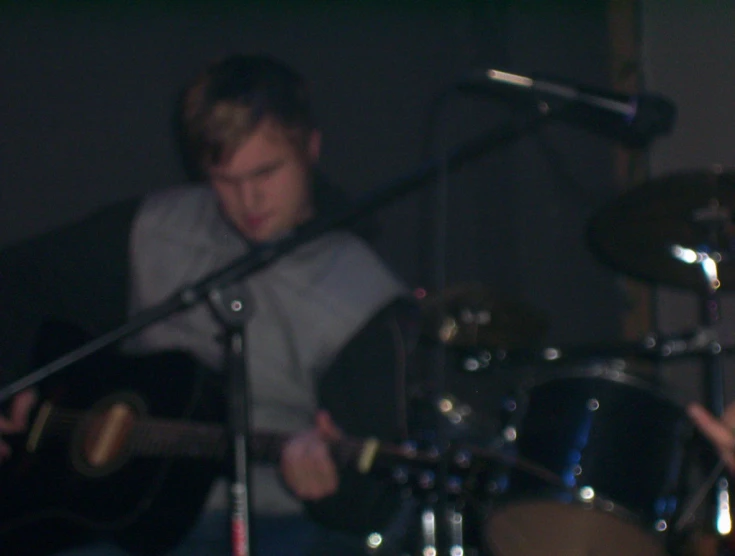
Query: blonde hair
point(225, 104)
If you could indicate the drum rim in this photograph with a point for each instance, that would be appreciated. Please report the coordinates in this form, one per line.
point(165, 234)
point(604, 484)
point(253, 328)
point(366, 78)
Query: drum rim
point(548, 495)
point(600, 503)
point(612, 370)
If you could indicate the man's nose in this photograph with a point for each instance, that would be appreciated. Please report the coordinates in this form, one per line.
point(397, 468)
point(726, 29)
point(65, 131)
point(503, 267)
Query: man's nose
point(251, 194)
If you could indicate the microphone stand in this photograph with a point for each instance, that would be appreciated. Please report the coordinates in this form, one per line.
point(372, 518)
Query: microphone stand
point(233, 315)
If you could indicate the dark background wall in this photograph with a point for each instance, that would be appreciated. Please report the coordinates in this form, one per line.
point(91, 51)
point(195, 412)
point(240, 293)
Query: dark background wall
point(87, 92)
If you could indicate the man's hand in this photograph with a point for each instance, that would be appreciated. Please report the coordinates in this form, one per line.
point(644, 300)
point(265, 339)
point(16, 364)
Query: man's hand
point(306, 463)
point(17, 420)
point(718, 431)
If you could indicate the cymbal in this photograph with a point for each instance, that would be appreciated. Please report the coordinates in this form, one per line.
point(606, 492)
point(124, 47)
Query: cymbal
point(470, 315)
point(648, 231)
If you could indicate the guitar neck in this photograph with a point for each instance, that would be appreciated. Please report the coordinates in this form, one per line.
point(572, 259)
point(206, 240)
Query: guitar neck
point(208, 440)
point(117, 426)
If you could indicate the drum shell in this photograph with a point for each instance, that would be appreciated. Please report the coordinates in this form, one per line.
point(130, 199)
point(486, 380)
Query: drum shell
point(616, 441)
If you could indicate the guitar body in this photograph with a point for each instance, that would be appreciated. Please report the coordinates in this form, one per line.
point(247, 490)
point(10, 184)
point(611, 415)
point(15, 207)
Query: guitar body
point(76, 479)
point(125, 449)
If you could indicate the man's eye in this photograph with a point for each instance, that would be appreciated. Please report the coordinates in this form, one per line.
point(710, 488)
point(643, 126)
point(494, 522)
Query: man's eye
point(227, 182)
point(264, 175)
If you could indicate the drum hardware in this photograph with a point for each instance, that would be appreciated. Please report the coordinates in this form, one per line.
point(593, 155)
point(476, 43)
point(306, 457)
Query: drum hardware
point(616, 482)
point(455, 528)
point(465, 316)
point(534, 498)
point(695, 343)
point(490, 475)
point(468, 315)
point(687, 515)
point(416, 527)
point(391, 541)
point(455, 411)
point(678, 230)
point(419, 512)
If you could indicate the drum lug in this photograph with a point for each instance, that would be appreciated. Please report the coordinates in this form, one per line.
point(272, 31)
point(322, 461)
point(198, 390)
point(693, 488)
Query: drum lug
point(510, 434)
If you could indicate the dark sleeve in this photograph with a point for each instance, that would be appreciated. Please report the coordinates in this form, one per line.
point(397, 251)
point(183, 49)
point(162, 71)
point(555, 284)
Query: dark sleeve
point(365, 391)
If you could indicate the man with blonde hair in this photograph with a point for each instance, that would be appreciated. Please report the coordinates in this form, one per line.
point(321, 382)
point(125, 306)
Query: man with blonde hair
point(326, 330)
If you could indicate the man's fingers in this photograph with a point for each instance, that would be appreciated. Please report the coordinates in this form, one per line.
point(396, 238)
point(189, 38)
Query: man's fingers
point(306, 462)
point(4, 451)
point(325, 473)
point(20, 408)
point(6, 425)
point(22, 405)
point(716, 431)
point(729, 415)
point(318, 478)
point(316, 473)
point(328, 430)
point(307, 467)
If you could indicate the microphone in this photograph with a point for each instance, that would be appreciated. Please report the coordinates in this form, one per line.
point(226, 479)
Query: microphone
point(632, 119)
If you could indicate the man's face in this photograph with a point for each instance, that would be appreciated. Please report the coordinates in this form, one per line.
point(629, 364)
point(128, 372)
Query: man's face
point(264, 187)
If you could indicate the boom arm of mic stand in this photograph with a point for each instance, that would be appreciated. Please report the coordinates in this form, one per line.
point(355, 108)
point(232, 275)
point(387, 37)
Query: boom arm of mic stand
point(259, 258)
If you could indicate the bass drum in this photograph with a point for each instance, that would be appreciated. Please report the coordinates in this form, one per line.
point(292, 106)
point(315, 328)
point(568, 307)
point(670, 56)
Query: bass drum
point(616, 444)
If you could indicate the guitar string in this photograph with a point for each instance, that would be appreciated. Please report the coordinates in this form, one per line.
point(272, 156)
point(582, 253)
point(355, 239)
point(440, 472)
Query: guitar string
point(168, 436)
point(165, 436)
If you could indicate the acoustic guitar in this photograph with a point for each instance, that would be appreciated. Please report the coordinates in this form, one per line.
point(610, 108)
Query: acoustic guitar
point(126, 449)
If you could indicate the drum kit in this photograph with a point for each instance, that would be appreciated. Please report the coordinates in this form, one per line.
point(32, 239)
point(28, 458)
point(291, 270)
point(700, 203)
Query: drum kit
point(591, 455)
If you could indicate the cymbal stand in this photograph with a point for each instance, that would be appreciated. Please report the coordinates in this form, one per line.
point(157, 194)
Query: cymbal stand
point(422, 506)
point(453, 521)
point(714, 378)
point(714, 375)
